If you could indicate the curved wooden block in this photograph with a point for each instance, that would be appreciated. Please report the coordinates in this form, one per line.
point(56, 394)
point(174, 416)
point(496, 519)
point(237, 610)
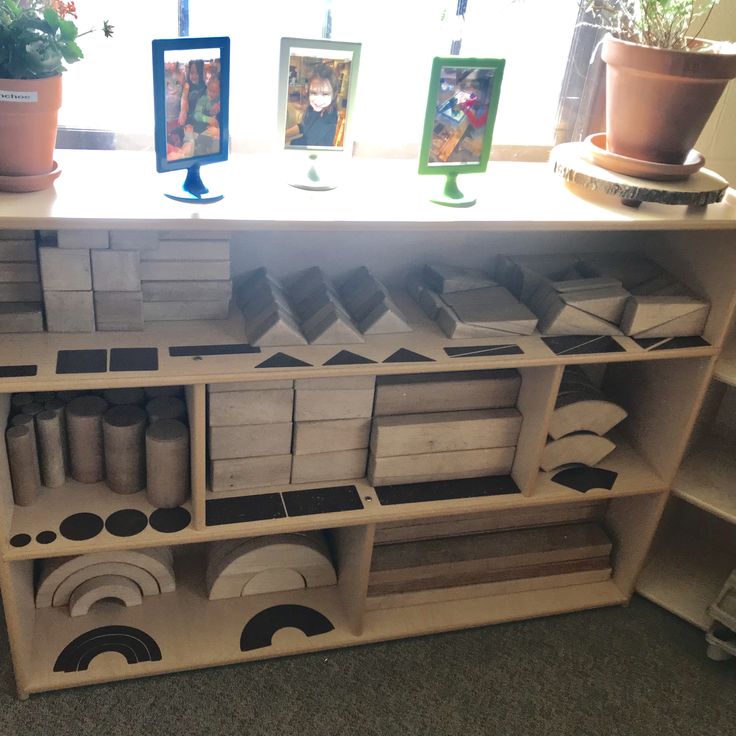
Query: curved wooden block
point(99, 588)
point(588, 415)
point(157, 560)
point(230, 571)
point(142, 578)
point(583, 448)
point(274, 581)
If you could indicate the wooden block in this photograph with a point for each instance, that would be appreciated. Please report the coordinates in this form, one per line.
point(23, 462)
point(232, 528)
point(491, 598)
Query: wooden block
point(21, 317)
point(453, 526)
point(498, 551)
point(83, 239)
point(664, 316)
point(251, 440)
point(264, 297)
point(580, 448)
point(415, 285)
point(21, 292)
point(147, 583)
point(431, 303)
point(318, 404)
point(432, 392)
point(332, 434)
point(118, 310)
point(174, 311)
point(606, 303)
point(588, 284)
point(18, 250)
point(189, 291)
point(189, 250)
point(575, 412)
point(133, 240)
point(307, 283)
point(218, 388)
point(314, 302)
point(251, 472)
point(558, 318)
point(65, 270)
point(416, 434)
point(384, 319)
point(18, 273)
point(238, 408)
point(277, 328)
point(330, 326)
point(69, 311)
point(18, 235)
point(348, 382)
point(444, 279)
point(383, 471)
point(185, 270)
point(456, 329)
point(106, 586)
point(328, 466)
point(194, 234)
point(492, 307)
point(116, 270)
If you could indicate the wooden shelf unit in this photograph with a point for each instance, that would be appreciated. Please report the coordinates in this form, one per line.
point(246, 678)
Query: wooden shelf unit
point(662, 389)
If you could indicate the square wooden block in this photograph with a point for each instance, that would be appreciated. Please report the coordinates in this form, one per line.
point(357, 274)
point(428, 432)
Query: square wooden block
point(21, 292)
point(69, 311)
point(189, 250)
point(116, 270)
point(251, 440)
point(329, 466)
point(218, 388)
point(83, 239)
point(237, 408)
point(65, 270)
point(118, 310)
point(185, 270)
point(133, 239)
point(332, 434)
point(18, 273)
point(250, 472)
point(21, 317)
point(18, 250)
point(318, 404)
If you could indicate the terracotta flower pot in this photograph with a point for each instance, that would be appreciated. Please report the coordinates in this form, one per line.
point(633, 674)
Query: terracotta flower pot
point(658, 100)
point(28, 119)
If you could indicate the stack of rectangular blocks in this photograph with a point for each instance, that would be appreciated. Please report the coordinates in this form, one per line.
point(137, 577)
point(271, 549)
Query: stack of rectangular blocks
point(249, 434)
point(20, 288)
point(442, 426)
point(187, 276)
point(332, 422)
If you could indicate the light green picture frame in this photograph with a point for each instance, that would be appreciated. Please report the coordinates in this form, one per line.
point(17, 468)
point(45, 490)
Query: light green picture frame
point(461, 113)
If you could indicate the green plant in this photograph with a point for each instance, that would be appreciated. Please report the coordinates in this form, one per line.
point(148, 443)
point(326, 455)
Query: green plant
point(666, 24)
point(37, 37)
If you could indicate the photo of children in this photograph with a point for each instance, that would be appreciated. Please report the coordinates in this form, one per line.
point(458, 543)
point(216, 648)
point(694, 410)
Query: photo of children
point(192, 103)
point(461, 114)
point(317, 97)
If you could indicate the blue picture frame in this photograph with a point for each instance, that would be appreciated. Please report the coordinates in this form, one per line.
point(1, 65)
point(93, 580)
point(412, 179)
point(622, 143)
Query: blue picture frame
point(159, 48)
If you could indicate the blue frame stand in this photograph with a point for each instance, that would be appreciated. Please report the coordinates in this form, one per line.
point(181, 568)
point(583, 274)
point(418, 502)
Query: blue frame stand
point(194, 190)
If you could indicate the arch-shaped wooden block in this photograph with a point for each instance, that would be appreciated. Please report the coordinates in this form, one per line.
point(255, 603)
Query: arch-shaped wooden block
point(99, 588)
point(583, 448)
point(147, 583)
point(274, 581)
point(157, 560)
point(229, 572)
point(588, 415)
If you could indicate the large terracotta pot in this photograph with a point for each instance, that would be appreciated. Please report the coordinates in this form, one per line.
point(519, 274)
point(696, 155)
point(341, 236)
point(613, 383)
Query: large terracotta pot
point(658, 100)
point(28, 118)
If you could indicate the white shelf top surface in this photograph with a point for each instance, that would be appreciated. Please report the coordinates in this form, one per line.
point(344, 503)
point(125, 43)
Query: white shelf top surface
point(121, 189)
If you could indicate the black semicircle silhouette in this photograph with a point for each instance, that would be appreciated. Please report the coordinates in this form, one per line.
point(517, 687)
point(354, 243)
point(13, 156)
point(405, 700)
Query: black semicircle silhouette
point(129, 652)
point(259, 631)
point(107, 638)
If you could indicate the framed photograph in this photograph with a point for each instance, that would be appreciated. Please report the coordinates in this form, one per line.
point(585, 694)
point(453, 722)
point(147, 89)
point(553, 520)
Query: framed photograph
point(191, 88)
point(461, 112)
point(316, 91)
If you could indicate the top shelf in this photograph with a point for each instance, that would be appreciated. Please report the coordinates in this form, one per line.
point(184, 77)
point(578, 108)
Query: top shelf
point(374, 195)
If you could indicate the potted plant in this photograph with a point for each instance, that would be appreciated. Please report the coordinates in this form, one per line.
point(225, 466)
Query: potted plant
point(662, 81)
point(37, 39)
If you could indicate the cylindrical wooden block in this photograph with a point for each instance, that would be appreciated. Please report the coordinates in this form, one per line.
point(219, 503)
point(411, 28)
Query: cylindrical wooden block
point(33, 408)
point(124, 430)
point(167, 463)
point(23, 464)
point(165, 407)
point(26, 420)
point(41, 397)
point(18, 401)
point(68, 395)
point(58, 406)
point(153, 392)
point(124, 396)
point(84, 426)
point(51, 449)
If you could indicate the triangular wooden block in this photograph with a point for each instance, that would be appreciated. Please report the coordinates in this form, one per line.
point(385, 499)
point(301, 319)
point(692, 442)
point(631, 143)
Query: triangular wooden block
point(276, 328)
point(330, 326)
point(588, 284)
point(444, 279)
point(383, 319)
point(562, 319)
point(607, 303)
point(648, 315)
point(582, 448)
point(456, 329)
point(495, 308)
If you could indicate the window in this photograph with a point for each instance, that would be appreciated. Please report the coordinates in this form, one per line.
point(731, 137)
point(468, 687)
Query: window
point(111, 89)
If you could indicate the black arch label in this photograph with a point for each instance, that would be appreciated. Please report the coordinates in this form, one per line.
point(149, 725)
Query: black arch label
point(259, 631)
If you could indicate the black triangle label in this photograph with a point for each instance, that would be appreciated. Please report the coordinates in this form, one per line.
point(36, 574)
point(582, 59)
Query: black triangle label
point(282, 360)
point(402, 355)
point(345, 357)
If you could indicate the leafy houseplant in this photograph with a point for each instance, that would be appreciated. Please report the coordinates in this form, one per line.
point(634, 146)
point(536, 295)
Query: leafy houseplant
point(37, 39)
point(661, 83)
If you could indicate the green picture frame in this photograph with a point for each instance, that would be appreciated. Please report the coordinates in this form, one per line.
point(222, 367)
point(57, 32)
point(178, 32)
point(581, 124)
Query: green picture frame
point(460, 117)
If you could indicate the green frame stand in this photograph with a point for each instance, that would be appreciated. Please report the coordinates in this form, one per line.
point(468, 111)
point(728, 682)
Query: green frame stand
point(452, 196)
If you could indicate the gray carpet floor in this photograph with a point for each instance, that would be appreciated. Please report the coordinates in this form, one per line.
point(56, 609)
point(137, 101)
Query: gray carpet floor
point(629, 671)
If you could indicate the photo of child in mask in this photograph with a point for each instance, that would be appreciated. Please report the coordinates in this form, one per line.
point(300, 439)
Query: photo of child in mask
point(315, 115)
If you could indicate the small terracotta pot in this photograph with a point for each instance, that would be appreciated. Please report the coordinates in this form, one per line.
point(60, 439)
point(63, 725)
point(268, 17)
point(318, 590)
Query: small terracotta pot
point(658, 100)
point(28, 120)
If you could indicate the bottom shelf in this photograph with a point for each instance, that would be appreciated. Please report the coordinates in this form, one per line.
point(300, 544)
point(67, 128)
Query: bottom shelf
point(184, 630)
point(691, 558)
